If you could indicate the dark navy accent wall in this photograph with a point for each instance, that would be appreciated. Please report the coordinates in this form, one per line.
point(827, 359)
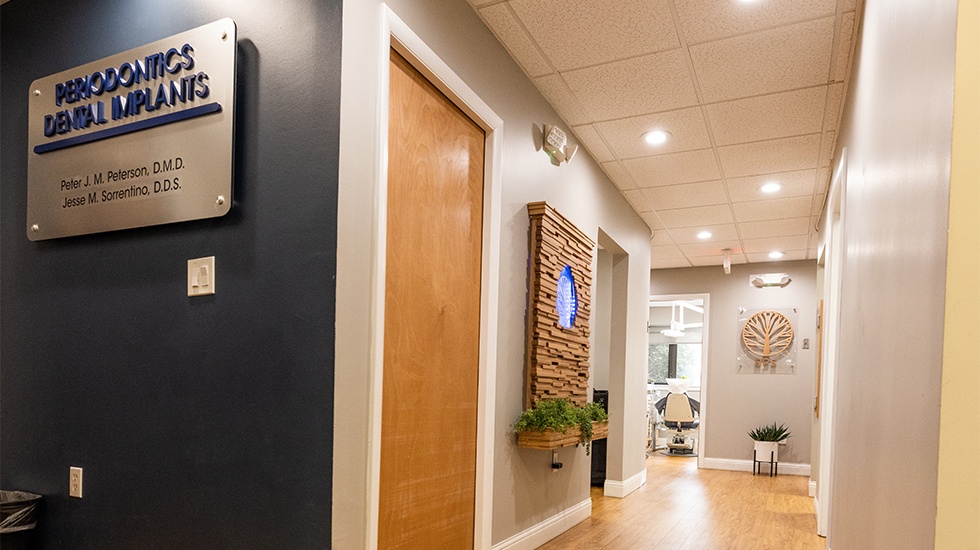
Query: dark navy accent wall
point(200, 423)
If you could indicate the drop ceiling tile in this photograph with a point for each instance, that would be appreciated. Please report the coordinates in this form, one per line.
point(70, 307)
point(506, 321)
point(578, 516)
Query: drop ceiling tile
point(553, 89)
point(688, 235)
point(661, 238)
point(848, 5)
point(773, 209)
point(582, 33)
point(706, 261)
point(768, 157)
point(669, 264)
point(708, 248)
point(686, 195)
point(768, 117)
point(631, 87)
point(478, 3)
point(843, 46)
point(794, 184)
point(693, 217)
point(762, 258)
point(652, 220)
point(686, 126)
point(619, 176)
point(783, 244)
point(665, 252)
point(827, 147)
point(674, 168)
point(638, 201)
point(510, 33)
point(773, 60)
point(703, 20)
point(588, 136)
point(775, 228)
point(831, 117)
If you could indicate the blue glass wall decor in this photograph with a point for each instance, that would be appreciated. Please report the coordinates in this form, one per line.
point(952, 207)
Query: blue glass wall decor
point(567, 300)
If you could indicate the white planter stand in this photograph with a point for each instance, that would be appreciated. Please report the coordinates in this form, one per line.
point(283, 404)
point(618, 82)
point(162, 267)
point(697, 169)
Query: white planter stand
point(766, 452)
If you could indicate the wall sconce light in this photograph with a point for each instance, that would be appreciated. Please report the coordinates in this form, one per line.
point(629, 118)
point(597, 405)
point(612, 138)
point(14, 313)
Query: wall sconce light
point(556, 144)
point(728, 260)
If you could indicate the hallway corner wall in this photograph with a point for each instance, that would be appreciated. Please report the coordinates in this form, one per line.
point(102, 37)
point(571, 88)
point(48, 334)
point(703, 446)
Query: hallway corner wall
point(958, 493)
point(897, 131)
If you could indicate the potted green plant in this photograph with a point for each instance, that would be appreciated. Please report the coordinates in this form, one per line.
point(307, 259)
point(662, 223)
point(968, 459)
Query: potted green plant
point(767, 440)
point(554, 423)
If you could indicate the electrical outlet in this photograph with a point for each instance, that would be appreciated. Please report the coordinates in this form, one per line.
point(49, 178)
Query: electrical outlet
point(75, 482)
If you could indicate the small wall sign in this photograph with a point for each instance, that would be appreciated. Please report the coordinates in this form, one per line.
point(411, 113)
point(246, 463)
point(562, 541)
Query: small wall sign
point(139, 138)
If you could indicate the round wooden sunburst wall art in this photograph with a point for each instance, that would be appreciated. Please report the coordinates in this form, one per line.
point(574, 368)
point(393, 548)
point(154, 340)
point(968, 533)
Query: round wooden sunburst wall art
point(767, 336)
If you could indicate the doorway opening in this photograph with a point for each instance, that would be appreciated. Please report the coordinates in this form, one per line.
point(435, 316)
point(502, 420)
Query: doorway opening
point(676, 374)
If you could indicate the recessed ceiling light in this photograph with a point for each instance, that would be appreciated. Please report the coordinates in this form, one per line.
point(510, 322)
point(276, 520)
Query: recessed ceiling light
point(656, 137)
point(704, 235)
point(770, 187)
point(775, 254)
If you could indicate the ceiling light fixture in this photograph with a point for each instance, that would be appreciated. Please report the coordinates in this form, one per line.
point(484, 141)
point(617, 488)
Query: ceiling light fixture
point(770, 187)
point(775, 254)
point(656, 137)
point(704, 235)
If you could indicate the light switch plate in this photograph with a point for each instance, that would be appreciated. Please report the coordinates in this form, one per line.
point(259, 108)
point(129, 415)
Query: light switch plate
point(200, 276)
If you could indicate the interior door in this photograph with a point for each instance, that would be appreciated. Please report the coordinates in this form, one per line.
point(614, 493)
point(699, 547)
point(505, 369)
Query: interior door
point(432, 318)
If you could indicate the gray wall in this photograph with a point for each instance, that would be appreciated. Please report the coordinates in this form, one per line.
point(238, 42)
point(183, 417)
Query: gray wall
point(525, 491)
point(736, 403)
point(897, 130)
point(200, 423)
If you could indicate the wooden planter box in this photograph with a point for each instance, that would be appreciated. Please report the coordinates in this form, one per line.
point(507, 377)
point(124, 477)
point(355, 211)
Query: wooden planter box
point(550, 439)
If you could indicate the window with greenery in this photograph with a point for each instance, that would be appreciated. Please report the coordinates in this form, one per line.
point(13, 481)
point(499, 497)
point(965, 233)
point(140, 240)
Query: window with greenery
point(674, 361)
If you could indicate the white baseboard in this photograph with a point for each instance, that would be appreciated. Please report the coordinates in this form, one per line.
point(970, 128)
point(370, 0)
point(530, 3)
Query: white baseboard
point(788, 468)
point(812, 489)
point(619, 489)
point(548, 529)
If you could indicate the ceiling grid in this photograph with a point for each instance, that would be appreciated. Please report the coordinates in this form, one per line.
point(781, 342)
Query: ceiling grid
point(750, 92)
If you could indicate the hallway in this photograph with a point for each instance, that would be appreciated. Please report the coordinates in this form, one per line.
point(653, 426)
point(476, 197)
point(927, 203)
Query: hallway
point(681, 507)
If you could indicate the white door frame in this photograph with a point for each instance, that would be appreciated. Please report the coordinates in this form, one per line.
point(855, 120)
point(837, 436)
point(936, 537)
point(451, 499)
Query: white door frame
point(702, 415)
point(361, 250)
point(834, 254)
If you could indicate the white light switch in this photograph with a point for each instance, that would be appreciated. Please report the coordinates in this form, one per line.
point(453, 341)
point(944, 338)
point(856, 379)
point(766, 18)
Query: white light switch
point(200, 276)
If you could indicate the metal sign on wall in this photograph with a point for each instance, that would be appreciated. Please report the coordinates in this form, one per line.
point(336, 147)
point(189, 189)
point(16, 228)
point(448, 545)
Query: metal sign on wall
point(140, 138)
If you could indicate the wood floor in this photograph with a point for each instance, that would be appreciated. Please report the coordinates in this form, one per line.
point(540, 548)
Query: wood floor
point(681, 507)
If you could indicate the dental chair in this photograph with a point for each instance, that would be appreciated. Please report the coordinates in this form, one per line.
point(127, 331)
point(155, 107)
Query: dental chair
point(679, 419)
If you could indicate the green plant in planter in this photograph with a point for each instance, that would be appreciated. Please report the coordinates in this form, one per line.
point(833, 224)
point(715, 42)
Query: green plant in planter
point(560, 415)
point(770, 433)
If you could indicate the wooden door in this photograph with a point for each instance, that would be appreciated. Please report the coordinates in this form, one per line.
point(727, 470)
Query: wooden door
point(432, 318)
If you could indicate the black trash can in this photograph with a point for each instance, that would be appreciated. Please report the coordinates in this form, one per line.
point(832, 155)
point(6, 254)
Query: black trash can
point(17, 518)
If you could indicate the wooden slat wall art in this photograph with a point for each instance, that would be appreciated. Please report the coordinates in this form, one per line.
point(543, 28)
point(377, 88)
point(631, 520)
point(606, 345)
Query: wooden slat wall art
point(557, 359)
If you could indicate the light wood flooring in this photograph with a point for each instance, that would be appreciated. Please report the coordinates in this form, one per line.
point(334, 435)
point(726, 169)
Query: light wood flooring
point(681, 507)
